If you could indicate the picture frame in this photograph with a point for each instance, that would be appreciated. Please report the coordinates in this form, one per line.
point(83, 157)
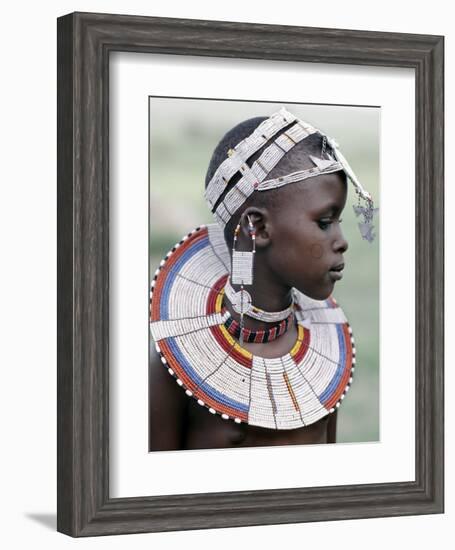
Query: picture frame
point(84, 505)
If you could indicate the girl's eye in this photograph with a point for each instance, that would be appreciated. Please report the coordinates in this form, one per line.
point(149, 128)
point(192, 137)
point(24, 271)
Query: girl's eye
point(325, 224)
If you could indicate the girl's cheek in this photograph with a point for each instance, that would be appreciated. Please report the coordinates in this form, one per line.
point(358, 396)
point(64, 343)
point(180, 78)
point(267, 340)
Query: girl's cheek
point(316, 251)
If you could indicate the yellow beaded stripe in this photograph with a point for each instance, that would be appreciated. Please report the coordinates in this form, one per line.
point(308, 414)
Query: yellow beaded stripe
point(234, 343)
point(219, 301)
point(297, 345)
point(291, 391)
point(225, 333)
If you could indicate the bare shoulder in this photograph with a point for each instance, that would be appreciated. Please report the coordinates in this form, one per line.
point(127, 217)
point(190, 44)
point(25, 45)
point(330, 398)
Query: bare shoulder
point(332, 427)
point(167, 408)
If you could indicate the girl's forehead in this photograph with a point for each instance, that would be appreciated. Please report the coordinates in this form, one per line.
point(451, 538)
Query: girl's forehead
point(322, 192)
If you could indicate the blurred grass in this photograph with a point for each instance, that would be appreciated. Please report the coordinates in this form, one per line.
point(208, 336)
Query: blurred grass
point(183, 134)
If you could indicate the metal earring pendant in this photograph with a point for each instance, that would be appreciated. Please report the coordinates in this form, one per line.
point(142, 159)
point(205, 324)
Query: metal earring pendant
point(242, 274)
point(242, 262)
point(366, 227)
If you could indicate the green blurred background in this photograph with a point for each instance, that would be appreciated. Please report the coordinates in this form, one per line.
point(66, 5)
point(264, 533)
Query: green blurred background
point(183, 135)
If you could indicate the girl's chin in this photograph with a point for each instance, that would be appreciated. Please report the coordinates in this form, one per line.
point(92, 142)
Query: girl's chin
point(320, 293)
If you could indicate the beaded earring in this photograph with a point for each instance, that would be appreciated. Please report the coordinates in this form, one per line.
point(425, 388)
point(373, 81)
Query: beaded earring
point(242, 274)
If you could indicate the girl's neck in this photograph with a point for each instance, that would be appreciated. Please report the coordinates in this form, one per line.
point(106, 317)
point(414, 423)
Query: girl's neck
point(266, 294)
point(267, 301)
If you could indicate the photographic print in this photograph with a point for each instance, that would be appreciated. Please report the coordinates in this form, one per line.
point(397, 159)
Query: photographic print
point(264, 273)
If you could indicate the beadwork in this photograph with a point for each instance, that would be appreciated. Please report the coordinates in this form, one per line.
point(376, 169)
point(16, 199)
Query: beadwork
point(253, 311)
point(256, 336)
point(187, 322)
point(242, 274)
point(254, 178)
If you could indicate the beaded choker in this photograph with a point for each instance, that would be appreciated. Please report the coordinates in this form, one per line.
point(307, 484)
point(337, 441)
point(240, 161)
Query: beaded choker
point(256, 336)
point(253, 311)
point(187, 323)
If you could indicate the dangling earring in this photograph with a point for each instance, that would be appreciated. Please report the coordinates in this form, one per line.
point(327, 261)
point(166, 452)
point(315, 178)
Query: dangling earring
point(242, 274)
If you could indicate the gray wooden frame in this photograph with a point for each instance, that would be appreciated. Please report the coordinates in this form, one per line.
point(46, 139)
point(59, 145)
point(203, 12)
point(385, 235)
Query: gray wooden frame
point(84, 43)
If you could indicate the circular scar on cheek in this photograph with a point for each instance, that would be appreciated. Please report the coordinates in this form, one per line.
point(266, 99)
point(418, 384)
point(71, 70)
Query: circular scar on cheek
point(316, 251)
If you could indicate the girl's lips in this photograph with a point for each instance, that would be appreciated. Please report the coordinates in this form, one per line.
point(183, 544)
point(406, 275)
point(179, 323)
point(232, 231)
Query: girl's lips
point(336, 275)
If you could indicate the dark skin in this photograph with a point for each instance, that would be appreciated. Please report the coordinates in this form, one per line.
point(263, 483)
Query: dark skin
point(297, 244)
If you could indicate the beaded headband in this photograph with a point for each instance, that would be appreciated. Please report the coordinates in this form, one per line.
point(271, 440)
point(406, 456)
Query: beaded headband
point(254, 178)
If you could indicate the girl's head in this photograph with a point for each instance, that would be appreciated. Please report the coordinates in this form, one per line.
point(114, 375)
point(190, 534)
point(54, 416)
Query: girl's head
point(299, 242)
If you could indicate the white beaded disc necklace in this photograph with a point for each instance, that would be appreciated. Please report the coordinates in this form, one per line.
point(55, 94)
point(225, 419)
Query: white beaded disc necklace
point(187, 323)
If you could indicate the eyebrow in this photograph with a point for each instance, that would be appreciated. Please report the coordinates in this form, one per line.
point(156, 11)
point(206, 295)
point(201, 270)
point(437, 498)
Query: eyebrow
point(331, 208)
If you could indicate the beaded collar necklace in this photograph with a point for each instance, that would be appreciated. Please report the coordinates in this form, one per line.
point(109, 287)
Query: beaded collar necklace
point(187, 323)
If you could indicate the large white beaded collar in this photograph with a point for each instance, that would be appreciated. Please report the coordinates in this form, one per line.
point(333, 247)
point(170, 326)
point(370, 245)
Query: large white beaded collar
point(187, 325)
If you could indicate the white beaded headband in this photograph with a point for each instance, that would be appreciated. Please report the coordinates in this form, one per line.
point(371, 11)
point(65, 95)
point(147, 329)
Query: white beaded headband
point(253, 178)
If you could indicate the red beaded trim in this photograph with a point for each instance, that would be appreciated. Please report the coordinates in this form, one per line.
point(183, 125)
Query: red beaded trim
point(256, 336)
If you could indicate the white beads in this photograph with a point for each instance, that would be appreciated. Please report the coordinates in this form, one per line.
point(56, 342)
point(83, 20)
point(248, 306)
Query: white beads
point(242, 303)
point(270, 157)
point(243, 150)
point(242, 267)
point(280, 393)
point(298, 176)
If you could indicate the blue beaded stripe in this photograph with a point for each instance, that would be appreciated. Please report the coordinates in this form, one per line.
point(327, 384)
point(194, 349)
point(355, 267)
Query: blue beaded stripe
point(204, 386)
point(173, 272)
point(327, 393)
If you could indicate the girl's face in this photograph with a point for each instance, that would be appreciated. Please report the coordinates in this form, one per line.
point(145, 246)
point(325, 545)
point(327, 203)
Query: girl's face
point(307, 244)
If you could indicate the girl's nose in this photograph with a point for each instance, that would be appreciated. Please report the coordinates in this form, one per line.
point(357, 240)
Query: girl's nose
point(340, 243)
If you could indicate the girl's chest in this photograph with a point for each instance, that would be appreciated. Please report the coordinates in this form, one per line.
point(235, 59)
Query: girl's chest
point(204, 431)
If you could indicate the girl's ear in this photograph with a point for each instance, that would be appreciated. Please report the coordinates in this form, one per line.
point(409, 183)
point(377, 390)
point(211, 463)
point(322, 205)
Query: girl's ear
point(259, 219)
